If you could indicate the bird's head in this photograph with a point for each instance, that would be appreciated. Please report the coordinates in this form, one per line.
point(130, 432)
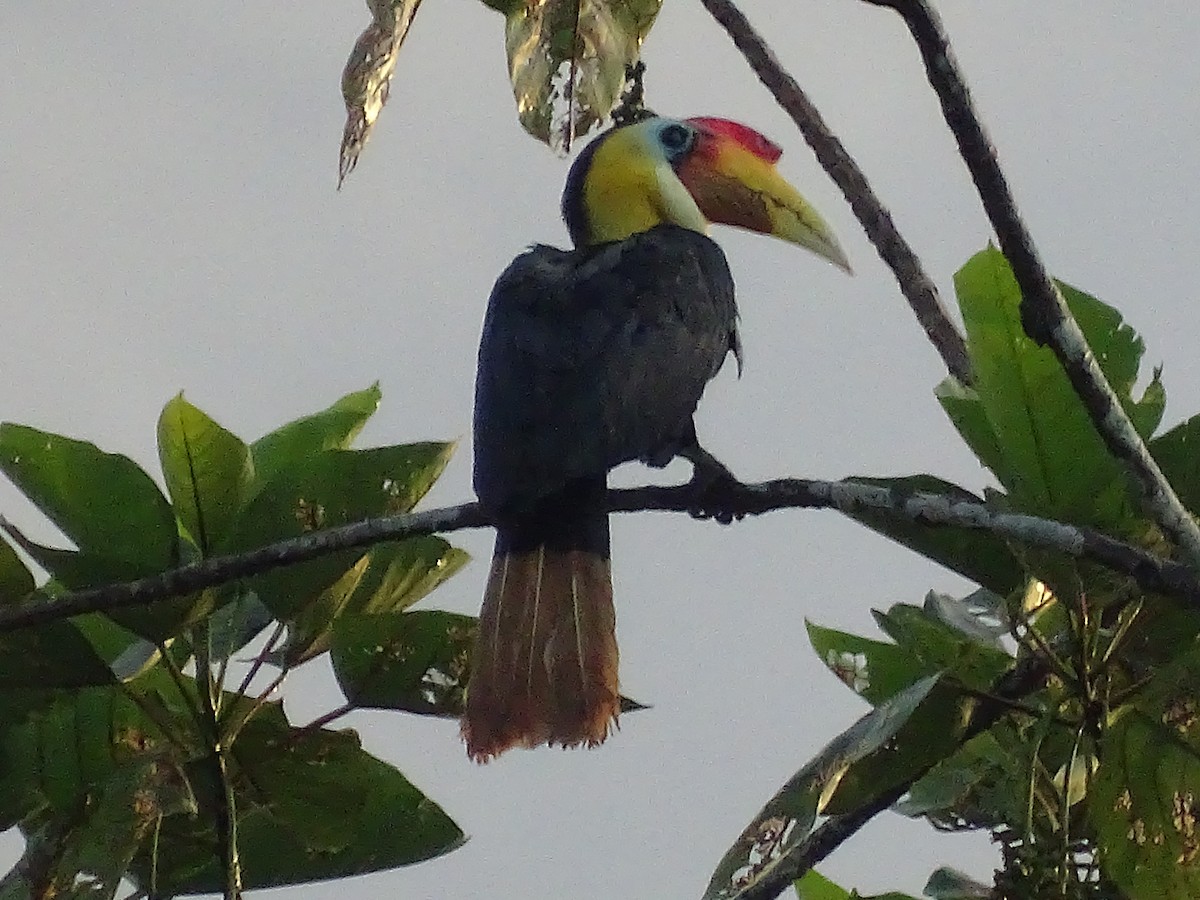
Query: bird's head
point(690, 173)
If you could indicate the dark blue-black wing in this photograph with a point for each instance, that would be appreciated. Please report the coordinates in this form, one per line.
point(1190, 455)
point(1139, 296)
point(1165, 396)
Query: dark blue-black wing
point(593, 357)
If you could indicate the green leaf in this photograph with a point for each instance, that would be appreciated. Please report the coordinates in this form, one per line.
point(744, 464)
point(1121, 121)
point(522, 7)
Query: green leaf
point(1053, 460)
point(943, 647)
point(333, 487)
point(789, 817)
point(237, 623)
point(208, 471)
point(122, 818)
point(874, 670)
point(16, 581)
point(973, 553)
point(312, 806)
point(51, 655)
point(1178, 454)
point(567, 60)
point(982, 785)
point(333, 428)
point(415, 661)
point(815, 886)
point(390, 578)
point(1143, 802)
point(951, 884)
point(103, 502)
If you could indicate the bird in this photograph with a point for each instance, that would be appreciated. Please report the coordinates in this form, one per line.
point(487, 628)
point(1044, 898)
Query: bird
point(589, 358)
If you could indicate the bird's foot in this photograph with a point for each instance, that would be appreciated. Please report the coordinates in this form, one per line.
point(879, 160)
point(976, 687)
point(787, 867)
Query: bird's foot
point(713, 487)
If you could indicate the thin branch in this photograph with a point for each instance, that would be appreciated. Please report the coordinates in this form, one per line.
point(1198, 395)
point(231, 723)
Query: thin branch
point(225, 808)
point(733, 499)
point(1044, 313)
point(824, 840)
point(893, 249)
point(1024, 678)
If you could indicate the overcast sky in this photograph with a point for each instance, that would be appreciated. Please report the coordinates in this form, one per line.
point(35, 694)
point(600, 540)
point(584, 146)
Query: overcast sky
point(169, 221)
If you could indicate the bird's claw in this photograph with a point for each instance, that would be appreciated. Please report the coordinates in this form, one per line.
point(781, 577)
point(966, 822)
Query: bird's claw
point(712, 490)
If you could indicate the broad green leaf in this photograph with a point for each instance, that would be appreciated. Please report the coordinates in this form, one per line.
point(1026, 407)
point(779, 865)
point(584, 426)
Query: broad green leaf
point(941, 646)
point(414, 661)
point(1143, 807)
point(1178, 455)
point(981, 616)
point(312, 806)
point(102, 501)
point(16, 581)
point(973, 553)
point(52, 655)
point(815, 886)
point(788, 818)
point(237, 623)
point(19, 771)
point(121, 818)
point(208, 471)
point(982, 785)
point(333, 487)
point(1054, 461)
point(1119, 350)
point(951, 884)
point(391, 578)
point(1143, 802)
point(333, 428)
point(874, 670)
point(567, 60)
point(156, 622)
point(970, 419)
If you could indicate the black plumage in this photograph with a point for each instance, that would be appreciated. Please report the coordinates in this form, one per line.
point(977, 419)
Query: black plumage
point(589, 358)
point(596, 356)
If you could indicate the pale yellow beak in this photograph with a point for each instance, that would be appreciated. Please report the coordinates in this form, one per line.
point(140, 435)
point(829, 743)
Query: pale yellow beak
point(731, 175)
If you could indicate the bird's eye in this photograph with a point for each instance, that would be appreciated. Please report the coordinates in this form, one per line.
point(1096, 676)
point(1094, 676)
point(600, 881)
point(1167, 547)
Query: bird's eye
point(675, 137)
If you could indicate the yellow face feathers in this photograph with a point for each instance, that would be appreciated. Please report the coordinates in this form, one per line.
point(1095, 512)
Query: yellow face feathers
point(630, 187)
point(688, 173)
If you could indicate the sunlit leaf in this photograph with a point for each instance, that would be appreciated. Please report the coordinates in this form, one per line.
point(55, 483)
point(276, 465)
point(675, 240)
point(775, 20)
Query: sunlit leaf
point(207, 469)
point(1053, 460)
point(788, 818)
point(567, 61)
point(102, 501)
point(367, 77)
point(312, 806)
point(978, 555)
point(815, 886)
point(415, 661)
point(875, 670)
point(1177, 452)
point(390, 578)
point(332, 487)
point(333, 428)
point(1143, 800)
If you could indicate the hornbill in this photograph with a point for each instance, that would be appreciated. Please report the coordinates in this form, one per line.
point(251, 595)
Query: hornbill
point(589, 358)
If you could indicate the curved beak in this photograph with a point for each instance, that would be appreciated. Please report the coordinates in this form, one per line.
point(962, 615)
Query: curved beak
point(731, 175)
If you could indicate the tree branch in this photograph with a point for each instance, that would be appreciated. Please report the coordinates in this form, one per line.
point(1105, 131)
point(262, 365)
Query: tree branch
point(1044, 313)
point(734, 499)
point(893, 249)
point(1026, 676)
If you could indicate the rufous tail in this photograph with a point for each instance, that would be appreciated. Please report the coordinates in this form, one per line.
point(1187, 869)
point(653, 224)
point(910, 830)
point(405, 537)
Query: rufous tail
point(544, 669)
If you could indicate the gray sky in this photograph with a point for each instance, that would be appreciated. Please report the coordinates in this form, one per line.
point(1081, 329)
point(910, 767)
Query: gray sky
point(170, 222)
